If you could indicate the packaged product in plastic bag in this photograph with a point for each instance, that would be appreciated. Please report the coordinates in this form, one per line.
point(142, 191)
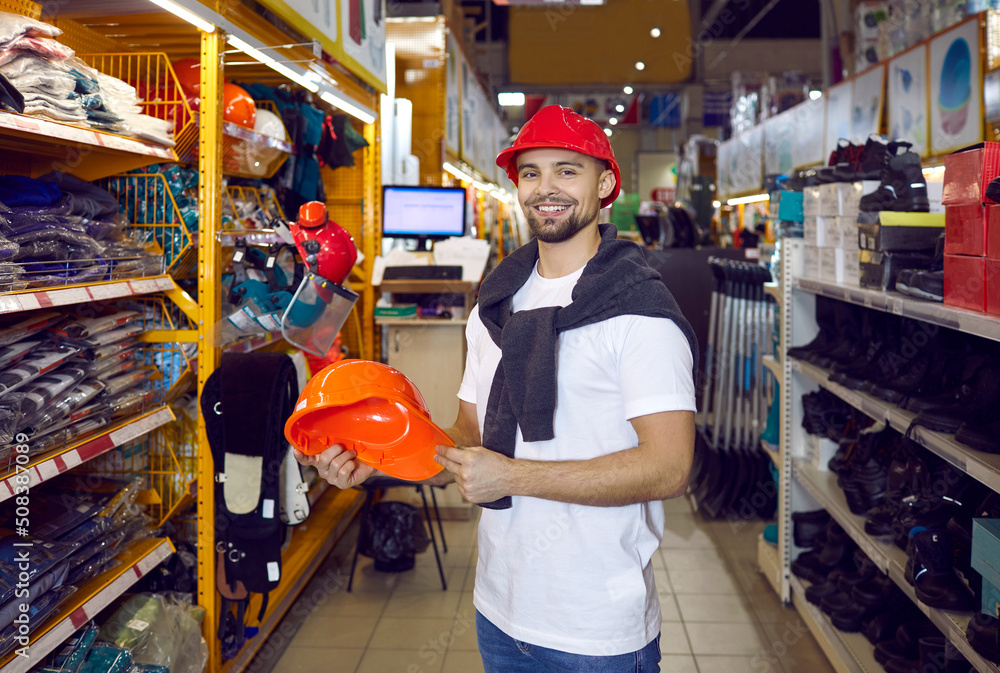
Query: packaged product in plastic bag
point(38, 612)
point(106, 658)
point(119, 384)
point(86, 328)
point(160, 630)
point(27, 327)
point(63, 405)
point(70, 657)
point(14, 352)
point(41, 557)
point(52, 579)
point(42, 361)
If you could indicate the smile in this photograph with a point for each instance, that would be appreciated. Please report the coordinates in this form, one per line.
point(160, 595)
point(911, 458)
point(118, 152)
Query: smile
point(551, 209)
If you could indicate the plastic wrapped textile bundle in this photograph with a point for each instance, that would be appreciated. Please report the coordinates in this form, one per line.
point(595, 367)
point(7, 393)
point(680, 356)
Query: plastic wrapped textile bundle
point(39, 611)
point(70, 657)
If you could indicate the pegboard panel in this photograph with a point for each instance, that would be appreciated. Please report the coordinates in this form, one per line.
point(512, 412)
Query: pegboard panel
point(83, 40)
point(421, 67)
point(22, 7)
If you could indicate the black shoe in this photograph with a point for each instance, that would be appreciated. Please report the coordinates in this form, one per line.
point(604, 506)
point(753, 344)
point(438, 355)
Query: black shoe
point(927, 284)
point(934, 577)
point(809, 527)
point(983, 633)
point(902, 187)
point(871, 158)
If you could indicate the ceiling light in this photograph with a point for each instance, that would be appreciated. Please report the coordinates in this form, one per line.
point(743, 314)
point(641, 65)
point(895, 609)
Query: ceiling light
point(619, 108)
point(607, 132)
point(756, 198)
point(457, 172)
point(627, 90)
point(655, 32)
point(185, 14)
point(510, 99)
point(613, 121)
point(815, 94)
point(348, 107)
point(716, 204)
point(639, 65)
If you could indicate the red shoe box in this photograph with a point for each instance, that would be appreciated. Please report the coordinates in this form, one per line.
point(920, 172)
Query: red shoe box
point(967, 173)
point(992, 231)
point(965, 229)
point(993, 286)
point(965, 282)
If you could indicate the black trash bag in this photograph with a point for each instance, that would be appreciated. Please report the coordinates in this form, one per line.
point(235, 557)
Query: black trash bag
point(393, 534)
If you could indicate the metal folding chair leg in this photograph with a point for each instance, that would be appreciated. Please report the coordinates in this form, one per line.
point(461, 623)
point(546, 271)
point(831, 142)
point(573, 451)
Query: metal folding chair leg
point(430, 527)
point(437, 514)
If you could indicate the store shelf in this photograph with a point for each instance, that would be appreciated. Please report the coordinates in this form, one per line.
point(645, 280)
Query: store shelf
point(49, 466)
point(774, 366)
point(984, 467)
point(64, 296)
point(773, 289)
point(886, 556)
point(775, 456)
point(89, 599)
point(769, 562)
point(421, 321)
point(332, 511)
point(33, 145)
point(847, 652)
point(971, 322)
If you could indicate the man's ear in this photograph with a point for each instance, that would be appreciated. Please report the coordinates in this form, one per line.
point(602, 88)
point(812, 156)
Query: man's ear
point(607, 184)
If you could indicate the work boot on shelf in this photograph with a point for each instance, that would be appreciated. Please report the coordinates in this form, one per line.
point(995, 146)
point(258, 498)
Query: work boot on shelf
point(872, 158)
point(927, 284)
point(808, 528)
point(827, 337)
point(849, 163)
point(983, 633)
point(934, 578)
point(902, 186)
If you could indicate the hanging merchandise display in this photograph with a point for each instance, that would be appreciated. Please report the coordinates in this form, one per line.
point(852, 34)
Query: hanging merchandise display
point(304, 297)
point(244, 404)
point(732, 474)
point(373, 410)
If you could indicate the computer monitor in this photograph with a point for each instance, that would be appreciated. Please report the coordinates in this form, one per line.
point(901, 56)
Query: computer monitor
point(425, 213)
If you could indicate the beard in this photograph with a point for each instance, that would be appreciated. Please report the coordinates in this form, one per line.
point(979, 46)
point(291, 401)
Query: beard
point(549, 230)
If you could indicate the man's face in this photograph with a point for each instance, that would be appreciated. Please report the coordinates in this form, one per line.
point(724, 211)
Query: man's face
point(560, 191)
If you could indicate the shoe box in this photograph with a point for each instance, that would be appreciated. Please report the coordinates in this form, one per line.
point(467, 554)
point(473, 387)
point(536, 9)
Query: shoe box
point(968, 172)
point(993, 286)
point(879, 269)
point(986, 561)
point(965, 282)
point(889, 231)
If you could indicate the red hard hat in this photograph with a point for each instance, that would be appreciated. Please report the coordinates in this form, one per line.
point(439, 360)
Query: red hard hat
point(558, 126)
point(371, 409)
point(189, 75)
point(337, 252)
point(238, 107)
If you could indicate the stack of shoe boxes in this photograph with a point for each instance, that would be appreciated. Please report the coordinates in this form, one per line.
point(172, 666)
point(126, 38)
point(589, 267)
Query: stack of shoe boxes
point(892, 241)
point(966, 238)
point(831, 243)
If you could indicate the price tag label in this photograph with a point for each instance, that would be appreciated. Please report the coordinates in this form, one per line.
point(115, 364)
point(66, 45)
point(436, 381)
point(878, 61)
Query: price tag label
point(108, 291)
point(29, 302)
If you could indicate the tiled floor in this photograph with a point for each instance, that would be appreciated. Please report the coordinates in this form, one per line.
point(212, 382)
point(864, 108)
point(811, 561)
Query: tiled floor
point(719, 613)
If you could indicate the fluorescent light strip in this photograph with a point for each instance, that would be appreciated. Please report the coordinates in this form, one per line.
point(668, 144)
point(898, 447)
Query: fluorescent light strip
point(756, 198)
point(347, 107)
point(186, 14)
point(270, 62)
point(457, 172)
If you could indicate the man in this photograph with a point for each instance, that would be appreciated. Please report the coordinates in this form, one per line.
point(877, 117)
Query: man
point(576, 417)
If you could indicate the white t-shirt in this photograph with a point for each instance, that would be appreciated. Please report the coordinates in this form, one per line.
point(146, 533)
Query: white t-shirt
point(572, 577)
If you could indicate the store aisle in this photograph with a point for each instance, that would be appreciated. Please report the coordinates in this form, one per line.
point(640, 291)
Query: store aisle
point(719, 613)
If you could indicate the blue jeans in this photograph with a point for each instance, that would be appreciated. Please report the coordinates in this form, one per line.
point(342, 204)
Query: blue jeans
point(503, 654)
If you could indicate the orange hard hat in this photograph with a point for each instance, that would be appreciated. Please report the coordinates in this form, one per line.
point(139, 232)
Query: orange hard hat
point(371, 409)
point(561, 127)
point(238, 107)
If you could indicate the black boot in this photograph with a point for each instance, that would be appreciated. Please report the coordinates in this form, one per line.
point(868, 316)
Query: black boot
point(902, 187)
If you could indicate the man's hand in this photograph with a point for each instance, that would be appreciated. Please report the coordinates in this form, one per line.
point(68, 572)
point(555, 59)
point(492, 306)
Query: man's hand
point(482, 475)
point(338, 466)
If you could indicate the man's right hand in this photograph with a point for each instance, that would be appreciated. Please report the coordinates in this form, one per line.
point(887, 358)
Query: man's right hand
point(337, 466)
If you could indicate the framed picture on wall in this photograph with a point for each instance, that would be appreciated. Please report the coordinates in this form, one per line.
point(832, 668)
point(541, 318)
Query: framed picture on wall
point(839, 106)
point(907, 99)
point(866, 104)
point(955, 74)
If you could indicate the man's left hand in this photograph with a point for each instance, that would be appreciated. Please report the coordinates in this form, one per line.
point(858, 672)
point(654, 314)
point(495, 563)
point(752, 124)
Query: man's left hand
point(482, 475)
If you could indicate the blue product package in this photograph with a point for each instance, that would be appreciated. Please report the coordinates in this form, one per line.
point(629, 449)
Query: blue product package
point(74, 652)
point(106, 658)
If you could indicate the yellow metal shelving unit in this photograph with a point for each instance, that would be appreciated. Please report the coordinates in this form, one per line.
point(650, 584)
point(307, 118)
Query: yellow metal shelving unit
point(165, 445)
